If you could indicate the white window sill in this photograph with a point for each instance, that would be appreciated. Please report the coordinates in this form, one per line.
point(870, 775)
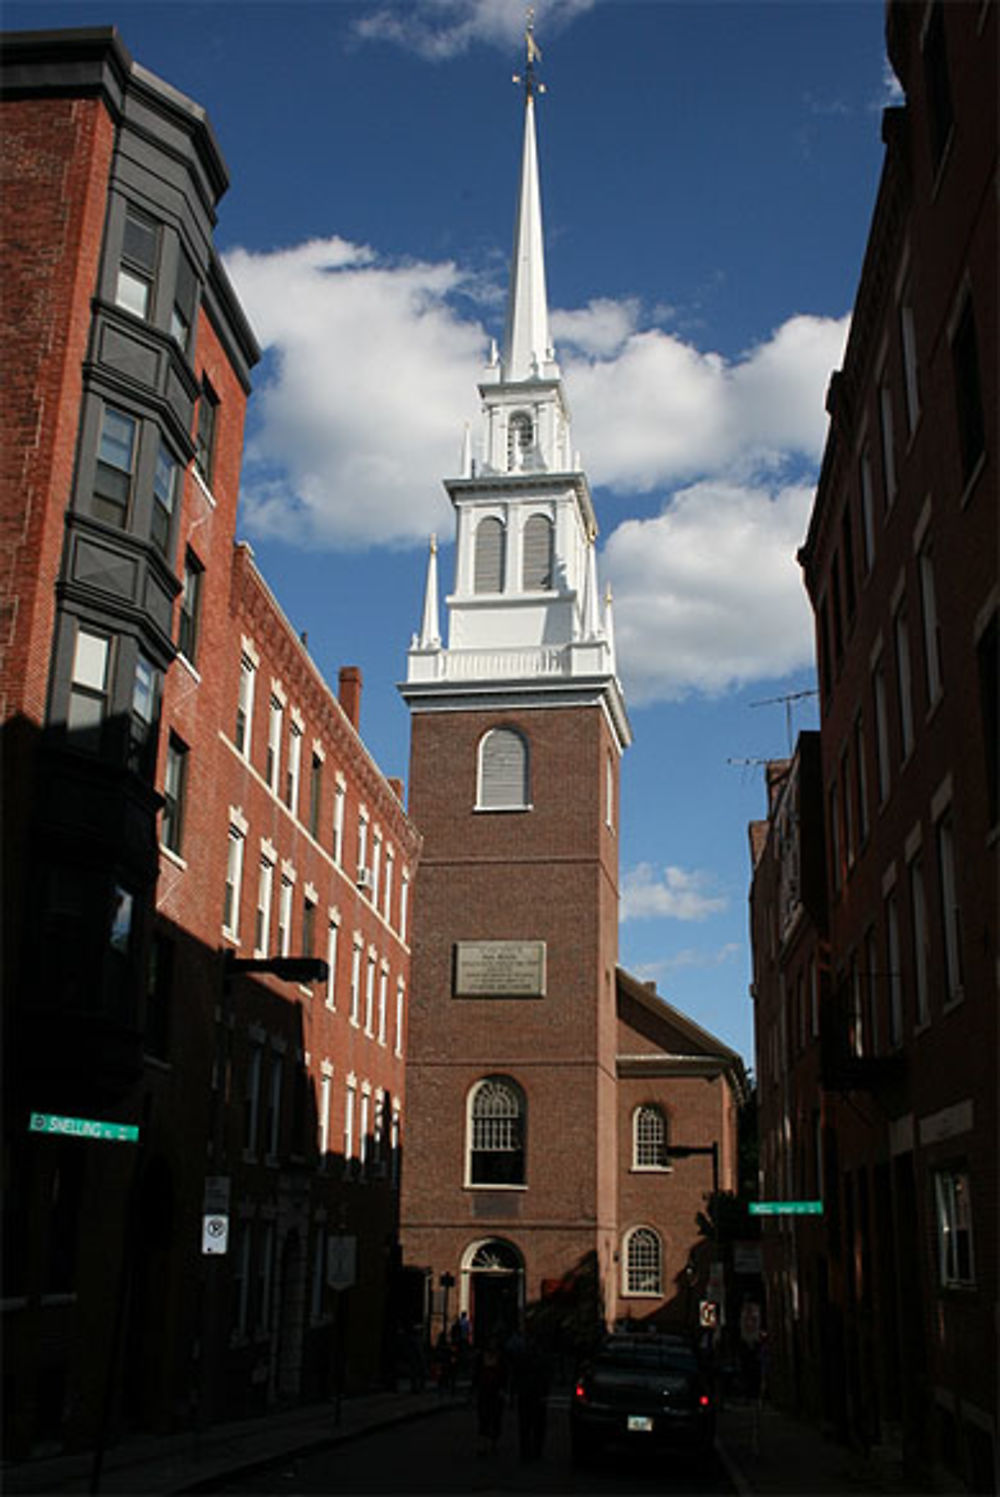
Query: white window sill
point(479, 1185)
point(190, 667)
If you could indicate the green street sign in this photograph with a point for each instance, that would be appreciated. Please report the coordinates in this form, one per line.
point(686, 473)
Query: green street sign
point(786, 1208)
point(51, 1122)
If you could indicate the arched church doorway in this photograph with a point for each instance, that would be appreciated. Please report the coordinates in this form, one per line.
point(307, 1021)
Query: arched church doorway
point(492, 1288)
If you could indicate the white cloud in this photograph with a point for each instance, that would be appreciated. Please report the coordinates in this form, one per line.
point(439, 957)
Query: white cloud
point(362, 414)
point(892, 90)
point(678, 894)
point(690, 957)
point(600, 328)
point(708, 594)
point(440, 29)
point(657, 410)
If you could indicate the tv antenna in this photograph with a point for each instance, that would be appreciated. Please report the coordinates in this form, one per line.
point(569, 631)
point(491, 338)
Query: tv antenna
point(786, 700)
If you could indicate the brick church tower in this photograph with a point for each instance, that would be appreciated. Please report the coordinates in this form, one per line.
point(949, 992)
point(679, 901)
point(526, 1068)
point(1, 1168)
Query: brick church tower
point(518, 727)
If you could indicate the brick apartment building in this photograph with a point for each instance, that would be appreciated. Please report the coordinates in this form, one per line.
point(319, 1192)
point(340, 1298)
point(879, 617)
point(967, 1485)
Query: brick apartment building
point(545, 1086)
point(900, 564)
point(180, 788)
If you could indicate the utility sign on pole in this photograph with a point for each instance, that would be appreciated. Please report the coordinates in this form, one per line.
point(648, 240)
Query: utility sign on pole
point(215, 1217)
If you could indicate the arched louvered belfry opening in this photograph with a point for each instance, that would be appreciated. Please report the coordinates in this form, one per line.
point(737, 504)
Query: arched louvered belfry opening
point(537, 554)
point(504, 771)
point(488, 571)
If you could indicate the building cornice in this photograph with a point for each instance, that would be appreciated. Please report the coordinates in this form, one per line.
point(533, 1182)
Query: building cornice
point(520, 696)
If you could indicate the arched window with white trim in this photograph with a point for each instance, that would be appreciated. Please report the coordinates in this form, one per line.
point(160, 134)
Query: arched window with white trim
point(496, 1133)
point(488, 572)
point(649, 1138)
point(643, 1259)
point(504, 777)
point(536, 554)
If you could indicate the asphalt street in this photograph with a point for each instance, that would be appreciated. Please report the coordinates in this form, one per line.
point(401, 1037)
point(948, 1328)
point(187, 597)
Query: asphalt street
point(441, 1455)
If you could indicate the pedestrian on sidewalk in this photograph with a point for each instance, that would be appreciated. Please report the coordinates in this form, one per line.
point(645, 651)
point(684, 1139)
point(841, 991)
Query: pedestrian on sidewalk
point(530, 1383)
point(489, 1380)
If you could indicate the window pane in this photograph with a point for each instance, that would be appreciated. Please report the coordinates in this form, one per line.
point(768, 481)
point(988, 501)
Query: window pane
point(190, 609)
point(205, 435)
point(117, 440)
point(84, 717)
point(139, 241)
point(165, 480)
point(133, 292)
point(644, 1262)
point(144, 691)
point(650, 1138)
point(90, 661)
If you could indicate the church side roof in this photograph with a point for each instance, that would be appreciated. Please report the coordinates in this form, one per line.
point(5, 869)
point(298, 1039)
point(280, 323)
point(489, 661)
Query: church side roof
point(661, 1040)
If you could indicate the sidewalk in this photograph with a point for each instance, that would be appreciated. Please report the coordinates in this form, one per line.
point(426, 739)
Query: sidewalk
point(771, 1453)
point(187, 1462)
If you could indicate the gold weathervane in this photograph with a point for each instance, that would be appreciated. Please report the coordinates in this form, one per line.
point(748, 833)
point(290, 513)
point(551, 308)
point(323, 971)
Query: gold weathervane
point(532, 54)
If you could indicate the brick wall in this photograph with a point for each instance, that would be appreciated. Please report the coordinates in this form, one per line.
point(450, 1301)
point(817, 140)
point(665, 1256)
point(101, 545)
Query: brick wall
point(55, 157)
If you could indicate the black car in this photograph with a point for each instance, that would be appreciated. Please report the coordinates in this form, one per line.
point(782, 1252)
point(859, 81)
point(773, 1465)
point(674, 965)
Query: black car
point(643, 1391)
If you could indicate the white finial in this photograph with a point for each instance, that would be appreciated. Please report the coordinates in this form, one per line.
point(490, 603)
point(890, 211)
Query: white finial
point(466, 467)
point(430, 635)
point(609, 627)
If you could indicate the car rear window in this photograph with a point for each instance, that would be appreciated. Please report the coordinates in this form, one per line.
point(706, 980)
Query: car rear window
point(649, 1354)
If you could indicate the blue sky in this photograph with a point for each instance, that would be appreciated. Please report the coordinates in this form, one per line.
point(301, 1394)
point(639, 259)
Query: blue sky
point(708, 174)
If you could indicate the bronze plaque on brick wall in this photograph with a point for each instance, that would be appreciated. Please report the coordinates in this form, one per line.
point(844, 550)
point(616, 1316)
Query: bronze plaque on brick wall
point(500, 969)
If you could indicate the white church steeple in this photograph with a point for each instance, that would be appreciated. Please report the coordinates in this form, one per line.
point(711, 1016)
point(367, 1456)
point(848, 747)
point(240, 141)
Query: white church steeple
point(525, 610)
point(527, 350)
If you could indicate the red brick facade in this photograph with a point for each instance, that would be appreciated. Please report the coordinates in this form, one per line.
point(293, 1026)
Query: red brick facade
point(55, 161)
point(584, 1054)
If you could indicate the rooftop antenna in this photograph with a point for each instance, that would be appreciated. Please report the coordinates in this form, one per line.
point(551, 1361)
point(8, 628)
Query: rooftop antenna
point(532, 54)
point(787, 699)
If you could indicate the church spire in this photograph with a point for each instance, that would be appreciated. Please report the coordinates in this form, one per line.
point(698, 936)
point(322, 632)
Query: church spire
point(430, 634)
point(527, 352)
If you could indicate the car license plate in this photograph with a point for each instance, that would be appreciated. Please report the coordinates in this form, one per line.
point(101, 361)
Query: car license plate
point(640, 1422)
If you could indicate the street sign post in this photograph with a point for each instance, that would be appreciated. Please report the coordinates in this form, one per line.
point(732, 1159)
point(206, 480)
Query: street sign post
point(786, 1208)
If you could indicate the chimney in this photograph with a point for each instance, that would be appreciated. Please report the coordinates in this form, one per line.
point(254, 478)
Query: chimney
point(396, 786)
point(349, 694)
